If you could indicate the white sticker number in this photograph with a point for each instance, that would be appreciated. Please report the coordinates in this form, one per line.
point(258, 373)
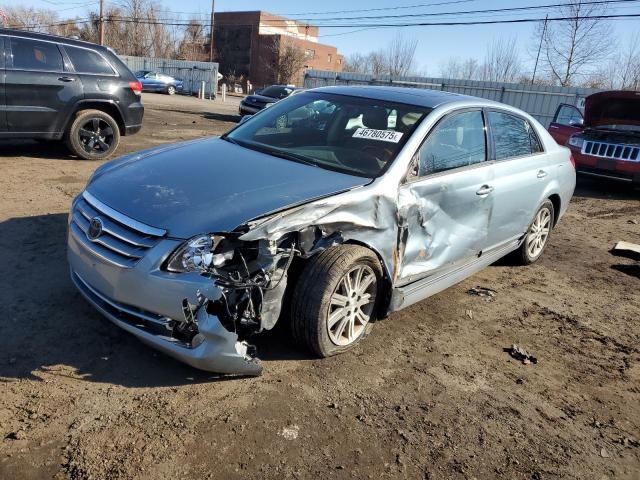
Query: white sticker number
point(381, 135)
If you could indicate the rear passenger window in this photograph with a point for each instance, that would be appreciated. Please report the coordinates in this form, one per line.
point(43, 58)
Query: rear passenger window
point(35, 55)
point(457, 141)
point(512, 136)
point(88, 61)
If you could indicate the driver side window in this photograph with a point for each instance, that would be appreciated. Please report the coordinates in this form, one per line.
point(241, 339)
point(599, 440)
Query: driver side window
point(457, 141)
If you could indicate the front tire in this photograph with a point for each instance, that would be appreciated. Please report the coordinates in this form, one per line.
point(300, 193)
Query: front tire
point(336, 299)
point(93, 135)
point(538, 234)
point(171, 90)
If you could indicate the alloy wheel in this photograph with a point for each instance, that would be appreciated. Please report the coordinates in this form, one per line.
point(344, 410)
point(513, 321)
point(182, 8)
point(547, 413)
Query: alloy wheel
point(539, 233)
point(96, 136)
point(351, 305)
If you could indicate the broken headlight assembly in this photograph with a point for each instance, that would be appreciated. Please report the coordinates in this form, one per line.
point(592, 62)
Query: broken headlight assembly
point(199, 254)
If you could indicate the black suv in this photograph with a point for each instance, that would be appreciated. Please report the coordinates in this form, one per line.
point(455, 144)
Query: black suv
point(54, 88)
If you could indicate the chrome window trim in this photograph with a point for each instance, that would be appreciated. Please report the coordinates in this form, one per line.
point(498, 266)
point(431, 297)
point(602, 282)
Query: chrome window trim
point(129, 222)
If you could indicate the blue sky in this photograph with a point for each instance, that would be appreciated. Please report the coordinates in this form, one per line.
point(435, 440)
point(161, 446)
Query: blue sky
point(435, 44)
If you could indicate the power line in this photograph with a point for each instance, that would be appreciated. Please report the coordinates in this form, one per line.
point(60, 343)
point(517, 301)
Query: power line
point(373, 25)
point(320, 23)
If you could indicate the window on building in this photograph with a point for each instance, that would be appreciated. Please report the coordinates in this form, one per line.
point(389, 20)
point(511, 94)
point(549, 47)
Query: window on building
point(329, 58)
point(309, 53)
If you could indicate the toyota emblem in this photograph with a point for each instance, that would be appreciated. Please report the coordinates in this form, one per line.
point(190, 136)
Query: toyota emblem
point(95, 228)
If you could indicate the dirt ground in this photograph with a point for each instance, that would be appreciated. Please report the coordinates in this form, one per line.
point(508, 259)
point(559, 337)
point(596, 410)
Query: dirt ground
point(429, 394)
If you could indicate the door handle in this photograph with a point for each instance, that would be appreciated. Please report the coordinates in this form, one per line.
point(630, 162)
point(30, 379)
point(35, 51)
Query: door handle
point(485, 190)
point(66, 79)
point(542, 174)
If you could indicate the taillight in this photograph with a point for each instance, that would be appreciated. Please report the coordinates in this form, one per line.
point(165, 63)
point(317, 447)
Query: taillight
point(136, 87)
point(573, 160)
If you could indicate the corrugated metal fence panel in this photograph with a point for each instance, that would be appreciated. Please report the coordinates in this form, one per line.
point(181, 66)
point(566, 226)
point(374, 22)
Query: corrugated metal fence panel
point(190, 72)
point(540, 101)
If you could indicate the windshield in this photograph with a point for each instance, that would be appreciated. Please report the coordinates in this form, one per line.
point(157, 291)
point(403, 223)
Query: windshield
point(358, 136)
point(276, 91)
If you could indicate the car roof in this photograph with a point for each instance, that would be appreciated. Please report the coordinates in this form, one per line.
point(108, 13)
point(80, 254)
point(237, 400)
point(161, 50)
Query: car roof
point(413, 96)
point(50, 38)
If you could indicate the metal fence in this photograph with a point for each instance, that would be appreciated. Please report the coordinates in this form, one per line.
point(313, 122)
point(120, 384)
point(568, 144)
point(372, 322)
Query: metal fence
point(539, 101)
point(190, 72)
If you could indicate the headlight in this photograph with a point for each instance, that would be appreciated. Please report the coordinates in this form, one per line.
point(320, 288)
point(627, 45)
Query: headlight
point(575, 141)
point(196, 255)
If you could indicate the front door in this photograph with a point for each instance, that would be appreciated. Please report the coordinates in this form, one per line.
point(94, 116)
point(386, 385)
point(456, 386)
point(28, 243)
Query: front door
point(40, 89)
point(446, 202)
point(567, 121)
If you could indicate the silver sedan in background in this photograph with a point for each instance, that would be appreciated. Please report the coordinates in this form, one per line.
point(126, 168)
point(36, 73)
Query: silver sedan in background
point(332, 208)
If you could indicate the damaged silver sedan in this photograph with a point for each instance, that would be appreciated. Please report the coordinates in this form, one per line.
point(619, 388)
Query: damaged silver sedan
point(328, 210)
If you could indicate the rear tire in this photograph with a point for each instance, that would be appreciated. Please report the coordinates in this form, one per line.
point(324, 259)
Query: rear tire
point(93, 135)
point(538, 234)
point(336, 299)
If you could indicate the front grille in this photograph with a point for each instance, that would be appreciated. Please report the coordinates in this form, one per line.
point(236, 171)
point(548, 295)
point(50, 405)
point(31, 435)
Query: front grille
point(123, 241)
point(614, 151)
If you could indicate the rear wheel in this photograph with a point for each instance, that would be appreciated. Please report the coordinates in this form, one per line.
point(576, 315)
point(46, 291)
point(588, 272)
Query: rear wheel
point(538, 234)
point(93, 135)
point(335, 301)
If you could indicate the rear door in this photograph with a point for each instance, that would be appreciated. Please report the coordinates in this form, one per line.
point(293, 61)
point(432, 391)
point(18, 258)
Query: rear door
point(521, 172)
point(446, 203)
point(3, 117)
point(40, 89)
point(567, 121)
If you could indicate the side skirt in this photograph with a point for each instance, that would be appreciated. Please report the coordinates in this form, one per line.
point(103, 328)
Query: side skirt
point(406, 295)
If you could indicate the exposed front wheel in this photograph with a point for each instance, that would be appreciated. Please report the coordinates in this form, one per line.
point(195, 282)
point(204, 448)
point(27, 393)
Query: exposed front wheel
point(93, 135)
point(171, 90)
point(538, 234)
point(335, 301)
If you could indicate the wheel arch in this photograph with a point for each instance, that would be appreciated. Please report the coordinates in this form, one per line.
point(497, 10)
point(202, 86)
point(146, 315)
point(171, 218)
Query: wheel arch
point(107, 106)
point(557, 203)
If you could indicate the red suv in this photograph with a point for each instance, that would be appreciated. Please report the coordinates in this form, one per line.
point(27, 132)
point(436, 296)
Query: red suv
point(605, 142)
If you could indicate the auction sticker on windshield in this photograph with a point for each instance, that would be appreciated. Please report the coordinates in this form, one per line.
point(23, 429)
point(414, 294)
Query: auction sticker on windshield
point(381, 135)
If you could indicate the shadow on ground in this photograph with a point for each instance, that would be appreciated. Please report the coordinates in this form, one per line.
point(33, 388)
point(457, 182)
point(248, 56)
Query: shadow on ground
point(47, 326)
point(54, 150)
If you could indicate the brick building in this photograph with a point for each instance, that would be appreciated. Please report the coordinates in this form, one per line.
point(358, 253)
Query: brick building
point(244, 45)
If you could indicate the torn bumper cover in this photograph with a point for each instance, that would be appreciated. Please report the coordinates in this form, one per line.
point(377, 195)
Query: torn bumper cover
point(213, 348)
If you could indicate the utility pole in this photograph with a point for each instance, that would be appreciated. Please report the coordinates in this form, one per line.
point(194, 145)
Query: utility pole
point(544, 31)
point(213, 8)
point(101, 22)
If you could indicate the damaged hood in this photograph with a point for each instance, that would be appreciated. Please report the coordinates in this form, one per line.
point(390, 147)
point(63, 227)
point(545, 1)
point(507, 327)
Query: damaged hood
point(612, 109)
point(209, 185)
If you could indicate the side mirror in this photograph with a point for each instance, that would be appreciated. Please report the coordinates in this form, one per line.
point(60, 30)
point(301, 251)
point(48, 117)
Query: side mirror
point(244, 118)
point(576, 123)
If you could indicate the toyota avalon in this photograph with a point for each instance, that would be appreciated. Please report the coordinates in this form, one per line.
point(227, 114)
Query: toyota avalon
point(329, 210)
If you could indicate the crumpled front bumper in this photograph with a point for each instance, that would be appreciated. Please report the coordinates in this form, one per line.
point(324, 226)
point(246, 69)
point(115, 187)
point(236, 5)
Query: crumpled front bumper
point(144, 302)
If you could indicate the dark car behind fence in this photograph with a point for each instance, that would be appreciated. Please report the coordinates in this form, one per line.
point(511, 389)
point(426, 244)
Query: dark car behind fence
point(539, 101)
point(190, 72)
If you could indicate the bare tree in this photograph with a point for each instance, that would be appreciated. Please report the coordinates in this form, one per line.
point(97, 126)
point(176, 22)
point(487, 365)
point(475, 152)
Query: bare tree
point(627, 65)
point(356, 62)
point(467, 69)
point(502, 61)
point(288, 60)
point(571, 47)
point(400, 55)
